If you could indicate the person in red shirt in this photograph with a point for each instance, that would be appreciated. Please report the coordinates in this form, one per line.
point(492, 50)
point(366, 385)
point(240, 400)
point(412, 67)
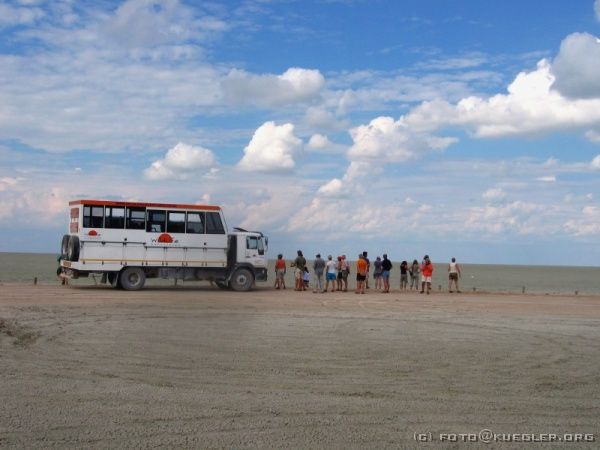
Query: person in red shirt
point(280, 272)
point(426, 274)
point(361, 274)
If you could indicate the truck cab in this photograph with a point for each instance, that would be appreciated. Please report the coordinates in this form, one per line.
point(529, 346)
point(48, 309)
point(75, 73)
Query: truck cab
point(247, 258)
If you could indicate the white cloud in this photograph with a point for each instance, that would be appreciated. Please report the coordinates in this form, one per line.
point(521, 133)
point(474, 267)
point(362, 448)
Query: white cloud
point(9, 182)
point(271, 149)
point(597, 9)
point(547, 178)
point(332, 189)
point(321, 143)
point(148, 23)
point(530, 106)
point(587, 224)
point(593, 136)
point(520, 217)
point(180, 162)
point(294, 85)
point(385, 140)
point(11, 16)
point(595, 164)
point(494, 195)
point(577, 66)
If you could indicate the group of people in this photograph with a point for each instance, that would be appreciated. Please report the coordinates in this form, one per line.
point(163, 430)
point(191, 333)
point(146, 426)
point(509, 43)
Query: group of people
point(335, 272)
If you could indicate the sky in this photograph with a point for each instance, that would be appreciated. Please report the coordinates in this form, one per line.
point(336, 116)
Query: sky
point(450, 128)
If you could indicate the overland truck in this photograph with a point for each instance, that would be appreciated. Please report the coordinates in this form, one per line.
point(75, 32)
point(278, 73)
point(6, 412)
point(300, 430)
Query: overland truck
point(128, 242)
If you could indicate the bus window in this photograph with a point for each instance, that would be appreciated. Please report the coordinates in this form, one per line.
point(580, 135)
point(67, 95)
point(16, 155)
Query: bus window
point(157, 220)
point(195, 223)
point(214, 225)
point(176, 222)
point(136, 218)
point(93, 216)
point(115, 217)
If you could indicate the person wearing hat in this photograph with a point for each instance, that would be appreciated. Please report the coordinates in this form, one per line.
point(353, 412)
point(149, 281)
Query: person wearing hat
point(318, 268)
point(299, 264)
point(426, 274)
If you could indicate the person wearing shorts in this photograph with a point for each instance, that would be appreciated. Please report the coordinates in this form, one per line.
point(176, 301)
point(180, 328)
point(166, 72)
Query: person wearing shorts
point(426, 274)
point(361, 274)
point(280, 272)
point(330, 273)
point(386, 266)
point(403, 275)
point(453, 275)
point(299, 264)
point(345, 273)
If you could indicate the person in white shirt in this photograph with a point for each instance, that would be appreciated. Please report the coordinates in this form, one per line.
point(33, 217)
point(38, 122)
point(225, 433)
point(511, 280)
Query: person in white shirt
point(331, 273)
point(453, 275)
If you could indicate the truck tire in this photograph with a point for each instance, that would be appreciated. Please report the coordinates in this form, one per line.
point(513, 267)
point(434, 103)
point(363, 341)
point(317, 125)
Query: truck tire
point(241, 280)
point(132, 278)
point(73, 249)
point(64, 246)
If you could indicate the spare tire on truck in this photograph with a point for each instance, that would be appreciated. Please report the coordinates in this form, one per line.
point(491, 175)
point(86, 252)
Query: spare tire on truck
point(64, 246)
point(132, 278)
point(73, 249)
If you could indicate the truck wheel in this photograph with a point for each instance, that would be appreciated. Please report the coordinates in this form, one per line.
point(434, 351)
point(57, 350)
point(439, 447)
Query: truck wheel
point(241, 280)
point(132, 278)
point(64, 246)
point(73, 249)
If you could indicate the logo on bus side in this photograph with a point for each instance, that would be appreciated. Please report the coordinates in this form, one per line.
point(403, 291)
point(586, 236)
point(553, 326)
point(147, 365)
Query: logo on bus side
point(165, 238)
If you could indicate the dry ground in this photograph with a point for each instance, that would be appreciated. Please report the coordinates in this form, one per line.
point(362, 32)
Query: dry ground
point(93, 367)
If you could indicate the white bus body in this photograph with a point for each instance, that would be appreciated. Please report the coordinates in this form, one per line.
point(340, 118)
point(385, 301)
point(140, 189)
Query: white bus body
point(128, 242)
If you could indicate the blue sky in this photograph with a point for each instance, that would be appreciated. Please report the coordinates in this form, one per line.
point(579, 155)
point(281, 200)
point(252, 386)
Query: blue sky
point(453, 128)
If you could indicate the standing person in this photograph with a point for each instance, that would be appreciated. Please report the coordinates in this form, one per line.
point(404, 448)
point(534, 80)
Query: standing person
point(339, 267)
point(361, 274)
point(426, 274)
point(368, 268)
point(453, 274)
point(299, 264)
point(306, 277)
point(414, 275)
point(330, 273)
point(280, 270)
point(345, 273)
point(318, 267)
point(386, 265)
point(403, 275)
point(377, 273)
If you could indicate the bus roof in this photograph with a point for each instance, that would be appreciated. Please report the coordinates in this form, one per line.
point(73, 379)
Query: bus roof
point(144, 205)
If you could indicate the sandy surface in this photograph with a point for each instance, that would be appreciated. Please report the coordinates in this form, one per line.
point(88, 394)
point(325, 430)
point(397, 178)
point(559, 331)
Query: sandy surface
point(203, 368)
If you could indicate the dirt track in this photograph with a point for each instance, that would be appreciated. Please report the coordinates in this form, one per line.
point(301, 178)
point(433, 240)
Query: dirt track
point(96, 367)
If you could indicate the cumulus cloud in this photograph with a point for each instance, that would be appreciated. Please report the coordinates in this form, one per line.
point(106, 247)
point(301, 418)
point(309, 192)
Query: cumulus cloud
point(180, 162)
point(271, 149)
point(597, 9)
point(321, 143)
point(387, 140)
point(531, 106)
point(517, 216)
point(595, 164)
point(577, 66)
point(294, 85)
